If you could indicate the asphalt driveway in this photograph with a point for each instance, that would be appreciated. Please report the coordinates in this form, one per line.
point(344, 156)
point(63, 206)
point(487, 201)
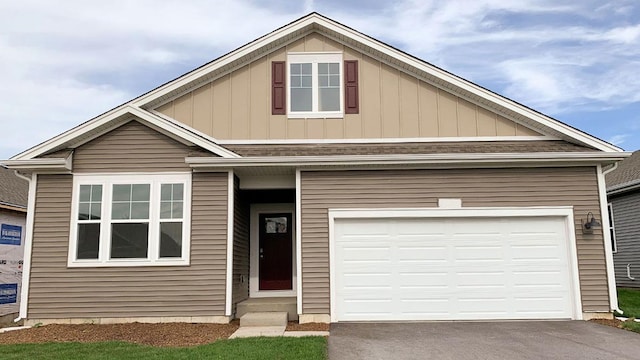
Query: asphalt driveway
point(482, 340)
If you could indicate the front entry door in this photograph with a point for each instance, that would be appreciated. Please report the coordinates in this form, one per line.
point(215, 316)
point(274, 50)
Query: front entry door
point(274, 251)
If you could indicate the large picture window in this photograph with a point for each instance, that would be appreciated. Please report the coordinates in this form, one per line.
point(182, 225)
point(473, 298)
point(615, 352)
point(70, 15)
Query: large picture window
point(124, 220)
point(315, 85)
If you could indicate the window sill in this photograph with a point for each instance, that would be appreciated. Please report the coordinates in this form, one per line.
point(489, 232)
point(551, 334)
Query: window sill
point(321, 115)
point(125, 263)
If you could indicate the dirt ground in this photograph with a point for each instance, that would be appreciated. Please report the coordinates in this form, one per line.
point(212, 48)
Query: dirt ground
point(168, 334)
point(609, 322)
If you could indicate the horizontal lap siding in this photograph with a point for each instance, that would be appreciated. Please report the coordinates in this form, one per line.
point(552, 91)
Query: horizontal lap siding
point(196, 290)
point(321, 191)
point(132, 147)
point(626, 216)
point(240, 247)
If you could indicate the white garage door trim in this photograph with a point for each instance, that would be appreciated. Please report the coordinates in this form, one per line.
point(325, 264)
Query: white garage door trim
point(565, 212)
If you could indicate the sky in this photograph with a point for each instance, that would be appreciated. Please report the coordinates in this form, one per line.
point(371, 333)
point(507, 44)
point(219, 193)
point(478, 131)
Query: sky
point(63, 63)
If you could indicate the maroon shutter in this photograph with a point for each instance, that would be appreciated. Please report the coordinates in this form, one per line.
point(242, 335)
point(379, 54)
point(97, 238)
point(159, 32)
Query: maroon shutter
point(351, 105)
point(278, 89)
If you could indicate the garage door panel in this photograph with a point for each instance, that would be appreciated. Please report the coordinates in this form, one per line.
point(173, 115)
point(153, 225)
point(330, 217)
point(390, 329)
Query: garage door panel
point(452, 269)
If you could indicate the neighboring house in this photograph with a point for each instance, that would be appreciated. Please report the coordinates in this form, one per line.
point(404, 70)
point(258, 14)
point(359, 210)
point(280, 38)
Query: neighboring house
point(321, 166)
point(623, 192)
point(13, 214)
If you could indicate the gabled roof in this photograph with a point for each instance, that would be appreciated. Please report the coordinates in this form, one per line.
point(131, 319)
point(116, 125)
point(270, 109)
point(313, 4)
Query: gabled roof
point(626, 176)
point(142, 106)
point(13, 190)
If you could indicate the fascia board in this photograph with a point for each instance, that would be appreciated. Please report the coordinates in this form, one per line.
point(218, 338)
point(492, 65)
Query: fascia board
point(402, 159)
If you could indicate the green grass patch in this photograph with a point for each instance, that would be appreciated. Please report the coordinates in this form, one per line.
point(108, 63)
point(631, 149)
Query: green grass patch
point(631, 325)
point(629, 302)
point(281, 348)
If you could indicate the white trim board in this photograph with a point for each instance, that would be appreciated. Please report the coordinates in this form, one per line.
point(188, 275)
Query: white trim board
point(254, 276)
point(231, 187)
point(299, 240)
point(388, 140)
point(28, 246)
point(606, 237)
point(565, 212)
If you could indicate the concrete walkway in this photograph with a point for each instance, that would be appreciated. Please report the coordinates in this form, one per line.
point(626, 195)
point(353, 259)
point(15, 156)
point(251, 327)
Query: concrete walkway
point(579, 340)
point(253, 331)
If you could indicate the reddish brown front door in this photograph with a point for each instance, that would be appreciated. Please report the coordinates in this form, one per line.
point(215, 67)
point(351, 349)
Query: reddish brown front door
point(274, 251)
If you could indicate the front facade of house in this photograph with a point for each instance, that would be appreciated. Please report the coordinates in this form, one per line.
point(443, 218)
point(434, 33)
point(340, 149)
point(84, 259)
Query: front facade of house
point(623, 194)
point(319, 165)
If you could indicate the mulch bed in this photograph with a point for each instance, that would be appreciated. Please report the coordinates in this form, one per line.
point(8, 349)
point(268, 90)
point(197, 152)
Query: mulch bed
point(609, 322)
point(294, 326)
point(166, 334)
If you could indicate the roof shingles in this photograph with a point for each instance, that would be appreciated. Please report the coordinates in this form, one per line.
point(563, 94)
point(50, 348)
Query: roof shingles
point(13, 190)
point(627, 172)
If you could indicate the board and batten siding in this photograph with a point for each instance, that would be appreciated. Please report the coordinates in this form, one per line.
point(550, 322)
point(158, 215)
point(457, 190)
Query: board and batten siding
point(626, 217)
point(237, 106)
point(132, 147)
point(321, 191)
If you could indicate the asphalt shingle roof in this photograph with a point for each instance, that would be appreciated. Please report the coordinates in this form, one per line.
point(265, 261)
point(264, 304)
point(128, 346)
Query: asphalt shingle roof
point(13, 190)
point(628, 172)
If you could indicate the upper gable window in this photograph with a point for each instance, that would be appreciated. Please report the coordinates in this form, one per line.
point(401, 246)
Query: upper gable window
point(315, 85)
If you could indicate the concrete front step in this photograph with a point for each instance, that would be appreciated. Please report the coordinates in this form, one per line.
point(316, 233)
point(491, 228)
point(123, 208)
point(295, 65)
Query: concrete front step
point(271, 318)
point(269, 304)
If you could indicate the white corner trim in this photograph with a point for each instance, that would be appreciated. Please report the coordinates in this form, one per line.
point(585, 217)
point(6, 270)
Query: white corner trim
point(299, 240)
point(28, 246)
point(606, 237)
point(387, 140)
point(561, 211)
point(230, 230)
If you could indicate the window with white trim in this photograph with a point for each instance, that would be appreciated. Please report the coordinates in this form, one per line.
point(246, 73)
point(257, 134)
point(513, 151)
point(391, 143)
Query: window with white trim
point(612, 229)
point(130, 220)
point(315, 85)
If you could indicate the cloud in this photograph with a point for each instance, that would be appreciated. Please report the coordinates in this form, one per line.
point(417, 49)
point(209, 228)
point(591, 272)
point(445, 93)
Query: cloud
point(618, 139)
point(63, 63)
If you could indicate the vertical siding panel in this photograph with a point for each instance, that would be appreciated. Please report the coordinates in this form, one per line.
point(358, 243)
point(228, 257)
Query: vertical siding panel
point(447, 114)
point(202, 109)
point(315, 129)
point(409, 108)
point(222, 108)
point(422, 188)
point(486, 123)
point(334, 128)
point(296, 128)
point(505, 127)
point(167, 109)
point(428, 110)
point(370, 100)
point(390, 102)
point(260, 100)
point(240, 102)
point(467, 124)
point(313, 42)
point(195, 290)
point(525, 131)
point(183, 109)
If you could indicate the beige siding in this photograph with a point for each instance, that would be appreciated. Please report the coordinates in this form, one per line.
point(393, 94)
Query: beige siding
point(392, 104)
point(320, 191)
point(240, 246)
point(196, 290)
point(132, 147)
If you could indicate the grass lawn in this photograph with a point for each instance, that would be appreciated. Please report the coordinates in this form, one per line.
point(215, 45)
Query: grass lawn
point(250, 348)
point(629, 302)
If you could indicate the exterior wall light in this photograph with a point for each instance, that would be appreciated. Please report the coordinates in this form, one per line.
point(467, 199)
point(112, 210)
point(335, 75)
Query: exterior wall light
point(589, 224)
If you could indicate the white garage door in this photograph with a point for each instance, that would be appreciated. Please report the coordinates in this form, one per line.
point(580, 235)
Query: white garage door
point(451, 269)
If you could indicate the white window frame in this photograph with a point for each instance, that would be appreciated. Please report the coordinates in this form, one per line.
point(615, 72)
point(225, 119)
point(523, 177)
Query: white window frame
point(612, 229)
point(153, 253)
point(314, 58)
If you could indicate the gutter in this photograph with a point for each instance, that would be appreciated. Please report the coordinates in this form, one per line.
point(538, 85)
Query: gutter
point(40, 165)
point(411, 159)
